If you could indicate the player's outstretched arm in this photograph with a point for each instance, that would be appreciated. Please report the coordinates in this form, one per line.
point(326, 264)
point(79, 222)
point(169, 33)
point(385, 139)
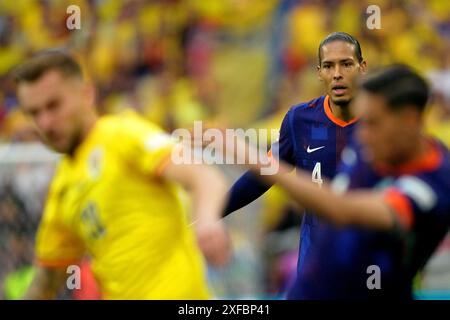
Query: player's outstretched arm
point(244, 191)
point(208, 190)
point(361, 208)
point(46, 283)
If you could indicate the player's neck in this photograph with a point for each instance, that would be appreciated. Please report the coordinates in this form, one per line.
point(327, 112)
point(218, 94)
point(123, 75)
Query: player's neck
point(421, 147)
point(91, 119)
point(88, 125)
point(341, 112)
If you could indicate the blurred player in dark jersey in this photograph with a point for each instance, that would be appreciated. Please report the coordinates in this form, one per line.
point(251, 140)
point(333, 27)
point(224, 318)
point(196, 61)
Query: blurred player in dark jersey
point(313, 134)
point(390, 199)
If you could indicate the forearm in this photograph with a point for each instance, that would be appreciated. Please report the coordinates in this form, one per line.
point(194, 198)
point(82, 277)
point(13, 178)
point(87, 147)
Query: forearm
point(209, 195)
point(244, 191)
point(208, 190)
point(362, 208)
point(306, 193)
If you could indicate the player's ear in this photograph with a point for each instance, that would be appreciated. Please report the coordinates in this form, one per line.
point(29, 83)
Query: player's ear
point(412, 117)
point(363, 67)
point(318, 73)
point(89, 92)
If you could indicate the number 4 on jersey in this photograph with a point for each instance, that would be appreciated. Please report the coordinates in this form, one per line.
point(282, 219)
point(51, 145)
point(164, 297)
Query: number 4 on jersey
point(317, 175)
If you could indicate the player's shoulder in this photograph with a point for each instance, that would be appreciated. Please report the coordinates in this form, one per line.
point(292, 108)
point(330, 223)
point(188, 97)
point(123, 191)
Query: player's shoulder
point(307, 106)
point(437, 161)
point(429, 187)
point(127, 122)
point(444, 151)
point(441, 175)
point(306, 110)
point(127, 132)
point(443, 167)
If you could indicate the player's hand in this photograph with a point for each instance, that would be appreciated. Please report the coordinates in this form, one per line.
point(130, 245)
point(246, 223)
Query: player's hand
point(198, 134)
point(214, 242)
point(245, 153)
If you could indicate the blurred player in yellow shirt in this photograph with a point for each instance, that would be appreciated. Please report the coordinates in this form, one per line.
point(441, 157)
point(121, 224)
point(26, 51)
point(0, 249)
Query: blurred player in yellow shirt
point(116, 195)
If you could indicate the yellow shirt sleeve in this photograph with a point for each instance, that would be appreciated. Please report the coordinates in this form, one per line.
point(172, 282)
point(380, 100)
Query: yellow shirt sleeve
point(145, 146)
point(56, 244)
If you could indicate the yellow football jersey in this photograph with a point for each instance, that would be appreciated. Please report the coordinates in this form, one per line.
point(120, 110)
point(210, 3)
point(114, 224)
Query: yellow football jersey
point(109, 200)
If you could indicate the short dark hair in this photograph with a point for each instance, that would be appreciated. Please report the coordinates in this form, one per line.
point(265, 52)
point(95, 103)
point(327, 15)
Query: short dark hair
point(341, 36)
point(399, 85)
point(53, 59)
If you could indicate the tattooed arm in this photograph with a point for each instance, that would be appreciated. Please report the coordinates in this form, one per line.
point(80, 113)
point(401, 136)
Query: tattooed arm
point(46, 283)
